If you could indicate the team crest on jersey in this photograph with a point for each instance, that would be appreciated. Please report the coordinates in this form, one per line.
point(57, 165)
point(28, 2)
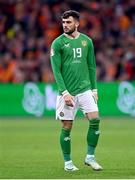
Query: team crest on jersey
point(52, 52)
point(84, 43)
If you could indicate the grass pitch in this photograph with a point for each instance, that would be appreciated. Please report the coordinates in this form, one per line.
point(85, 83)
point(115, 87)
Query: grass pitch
point(29, 148)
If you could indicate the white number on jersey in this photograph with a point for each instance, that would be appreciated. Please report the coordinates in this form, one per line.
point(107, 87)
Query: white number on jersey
point(77, 52)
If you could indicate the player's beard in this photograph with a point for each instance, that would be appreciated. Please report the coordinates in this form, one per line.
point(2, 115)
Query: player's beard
point(71, 31)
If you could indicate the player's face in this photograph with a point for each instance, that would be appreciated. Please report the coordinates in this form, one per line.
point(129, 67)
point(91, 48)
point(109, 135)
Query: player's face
point(69, 25)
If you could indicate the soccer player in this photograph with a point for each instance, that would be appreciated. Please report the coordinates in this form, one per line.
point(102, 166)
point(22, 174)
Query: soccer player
point(74, 68)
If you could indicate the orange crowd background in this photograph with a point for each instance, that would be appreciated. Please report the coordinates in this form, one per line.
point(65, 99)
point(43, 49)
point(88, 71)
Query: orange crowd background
point(27, 28)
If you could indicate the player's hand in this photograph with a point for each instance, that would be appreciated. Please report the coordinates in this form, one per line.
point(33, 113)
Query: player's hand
point(69, 101)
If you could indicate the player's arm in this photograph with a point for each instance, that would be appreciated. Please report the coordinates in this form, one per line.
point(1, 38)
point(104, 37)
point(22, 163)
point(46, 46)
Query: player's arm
point(56, 66)
point(92, 68)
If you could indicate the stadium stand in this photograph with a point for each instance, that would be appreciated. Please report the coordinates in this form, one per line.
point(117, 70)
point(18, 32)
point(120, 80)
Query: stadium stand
point(27, 29)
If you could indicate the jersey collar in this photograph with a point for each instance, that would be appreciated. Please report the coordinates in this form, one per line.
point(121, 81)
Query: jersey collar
point(70, 37)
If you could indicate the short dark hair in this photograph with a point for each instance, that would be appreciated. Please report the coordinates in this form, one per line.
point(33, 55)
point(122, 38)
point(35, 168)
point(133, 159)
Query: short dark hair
point(72, 13)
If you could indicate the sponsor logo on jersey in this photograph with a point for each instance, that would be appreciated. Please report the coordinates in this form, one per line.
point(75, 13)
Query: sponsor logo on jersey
point(52, 52)
point(76, 61)
point(67, 45)
point(84, 43)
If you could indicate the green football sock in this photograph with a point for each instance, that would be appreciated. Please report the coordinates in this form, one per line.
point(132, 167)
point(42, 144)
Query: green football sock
point(93, 135)
point(65, 143)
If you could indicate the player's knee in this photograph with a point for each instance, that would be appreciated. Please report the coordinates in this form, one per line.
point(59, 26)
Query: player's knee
point(67, 124)
point(92, 115)
point(94, 123)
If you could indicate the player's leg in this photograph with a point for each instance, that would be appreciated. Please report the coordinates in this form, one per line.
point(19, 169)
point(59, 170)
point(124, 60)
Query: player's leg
point(93, 131)
point(65, 142)
point(65, 139)
point(66, 114)
point(89, 107)
point(92, 140)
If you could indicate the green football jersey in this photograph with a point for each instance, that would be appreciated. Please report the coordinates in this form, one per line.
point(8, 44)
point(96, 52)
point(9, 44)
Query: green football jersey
point(73, 64)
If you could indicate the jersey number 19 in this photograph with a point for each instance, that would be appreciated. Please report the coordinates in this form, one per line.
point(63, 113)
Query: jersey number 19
point(77, 52)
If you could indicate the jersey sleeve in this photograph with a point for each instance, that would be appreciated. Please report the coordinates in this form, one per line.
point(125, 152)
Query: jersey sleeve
point(56, 65)
point(92, 65)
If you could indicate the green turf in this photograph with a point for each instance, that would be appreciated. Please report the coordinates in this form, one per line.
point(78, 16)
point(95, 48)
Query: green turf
point(29, 148)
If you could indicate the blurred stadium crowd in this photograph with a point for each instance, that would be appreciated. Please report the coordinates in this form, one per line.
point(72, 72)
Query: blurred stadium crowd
point(27, 28)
